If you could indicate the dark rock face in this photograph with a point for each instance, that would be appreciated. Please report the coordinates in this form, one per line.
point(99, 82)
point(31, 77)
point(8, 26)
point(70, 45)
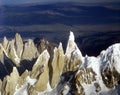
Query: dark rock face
point(46, 70)
point(43, 44)
point(110, 77)
point(86, 76)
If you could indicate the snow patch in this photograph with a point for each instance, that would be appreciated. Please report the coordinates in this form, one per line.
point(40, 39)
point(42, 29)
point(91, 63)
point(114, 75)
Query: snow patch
point(67, 88)
point(23, 89)
point(71, 46)
point(94, 63)
point(30, 81)
point(71, 37)
point(89, 89)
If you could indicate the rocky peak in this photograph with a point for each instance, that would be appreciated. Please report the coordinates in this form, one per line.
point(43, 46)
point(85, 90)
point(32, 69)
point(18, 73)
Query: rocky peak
point(40, 71)
point(71, 46)
point(57, 73)
point(1, 53)
point(12, 53)
point(57, 66)
point(18, 45)
point(29, 50)
point(13, 49)
point(5, 42)
point(41, 61)
point(73, 56)
point(42, 45)
point(15, 53)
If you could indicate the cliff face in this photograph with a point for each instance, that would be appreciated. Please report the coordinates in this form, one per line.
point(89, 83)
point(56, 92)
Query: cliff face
point(29, 70)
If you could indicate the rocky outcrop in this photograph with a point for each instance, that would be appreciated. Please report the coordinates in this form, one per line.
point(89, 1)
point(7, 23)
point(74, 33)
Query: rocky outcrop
point(10, 82)
point(86, 76)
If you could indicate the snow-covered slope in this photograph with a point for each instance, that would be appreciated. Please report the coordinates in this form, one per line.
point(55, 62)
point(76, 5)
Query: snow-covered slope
point(106, 68)
point(28, 71)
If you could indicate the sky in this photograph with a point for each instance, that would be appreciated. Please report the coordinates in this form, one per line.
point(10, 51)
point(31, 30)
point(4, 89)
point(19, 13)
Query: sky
point(7, 2)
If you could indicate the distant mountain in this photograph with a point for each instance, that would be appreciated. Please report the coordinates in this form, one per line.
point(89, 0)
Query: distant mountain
point(50, 71)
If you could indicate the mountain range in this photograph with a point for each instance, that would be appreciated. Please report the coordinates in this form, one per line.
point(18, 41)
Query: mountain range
point(44, 68)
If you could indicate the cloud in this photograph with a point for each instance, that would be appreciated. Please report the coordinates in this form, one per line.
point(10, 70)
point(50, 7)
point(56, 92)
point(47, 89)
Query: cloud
point(83, 29)
point(51, 1)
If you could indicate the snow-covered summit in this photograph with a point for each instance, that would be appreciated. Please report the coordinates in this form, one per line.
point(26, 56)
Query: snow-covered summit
point(112, 57)
point(71, 46)
point(72, 53)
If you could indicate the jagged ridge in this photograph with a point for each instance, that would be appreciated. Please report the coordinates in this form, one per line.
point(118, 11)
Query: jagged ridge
point(28, 70)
